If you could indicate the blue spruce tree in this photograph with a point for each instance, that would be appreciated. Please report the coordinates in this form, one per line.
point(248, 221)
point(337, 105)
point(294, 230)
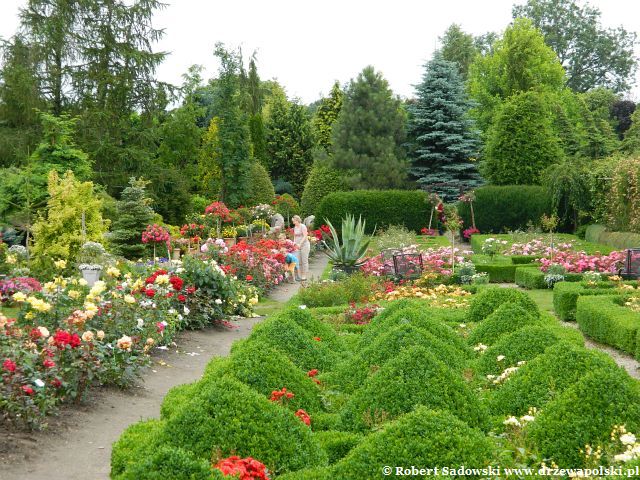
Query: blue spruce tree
point(442, 138)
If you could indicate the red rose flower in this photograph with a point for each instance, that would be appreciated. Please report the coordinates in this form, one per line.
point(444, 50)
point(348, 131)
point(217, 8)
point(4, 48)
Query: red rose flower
point(48, 363)
point(249, 278)
point(75, 341)
point(176, 283)
point(169, 295)
point(9, 366)
point(27, 390)
point(61, 338)
point(182, 298)
point(35, 334)
point(312, 373)
point(150, 293)
point(56, 383)
point(191, 290)
point(304, 416)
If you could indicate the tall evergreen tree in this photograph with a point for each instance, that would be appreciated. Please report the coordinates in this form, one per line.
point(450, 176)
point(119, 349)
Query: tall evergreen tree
point(442, 137)
point(134, 213)
point(234, 141)
point(369, 133)
point(326, 115)
point(458, 47)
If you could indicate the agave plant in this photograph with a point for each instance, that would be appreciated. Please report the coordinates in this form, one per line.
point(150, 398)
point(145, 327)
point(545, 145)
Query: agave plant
point(347, 254)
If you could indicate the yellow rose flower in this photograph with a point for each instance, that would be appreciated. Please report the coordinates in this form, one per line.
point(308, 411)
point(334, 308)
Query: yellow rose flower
point(60, 264)
point(19, 297)
point(113, 272)
point(82, 282)
point(129, 299)
point(124, 343)
point(73, 294)
point(90, 309)
point(162, 280)
point(87, 336)
point(100, 335)
point(29, 315)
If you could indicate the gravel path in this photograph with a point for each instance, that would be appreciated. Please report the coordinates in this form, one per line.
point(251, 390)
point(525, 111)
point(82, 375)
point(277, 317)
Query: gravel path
point(77, 444)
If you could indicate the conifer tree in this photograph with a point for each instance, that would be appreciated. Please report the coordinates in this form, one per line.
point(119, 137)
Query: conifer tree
point(369, 133)
point(442, 137)
point(326, 116)
point(134, 213)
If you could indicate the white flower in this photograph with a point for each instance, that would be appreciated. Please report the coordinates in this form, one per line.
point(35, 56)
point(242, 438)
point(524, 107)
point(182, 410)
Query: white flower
point(512, 421)
point(480, 347)
point(463, 325)
point(302, 307)
point(527, 418)
point(521, 363)
point(129, 299)
point(39, 383)
point(628, 439)
point(491, 377)
point(623, 457)
point(186, 310)
point(218, 301)
point(500, 358)
point(140, 323)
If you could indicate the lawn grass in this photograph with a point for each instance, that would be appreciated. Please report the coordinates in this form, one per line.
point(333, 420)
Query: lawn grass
point(266, 306)
point(425, 241)
point(543, 298)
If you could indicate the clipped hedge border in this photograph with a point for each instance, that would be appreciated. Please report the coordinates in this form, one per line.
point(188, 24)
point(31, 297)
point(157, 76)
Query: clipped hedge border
point(604, 319)
point(499, 272)
point(619, 240)
point(566, 294)
point(532, 278)
point(523, 259)
point(590, 248)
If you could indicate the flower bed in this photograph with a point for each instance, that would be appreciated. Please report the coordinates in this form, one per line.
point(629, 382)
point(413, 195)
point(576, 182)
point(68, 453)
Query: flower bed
point(436, 260)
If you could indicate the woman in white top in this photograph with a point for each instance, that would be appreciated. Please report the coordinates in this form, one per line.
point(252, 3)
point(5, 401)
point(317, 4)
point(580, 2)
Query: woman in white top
point(301, 239)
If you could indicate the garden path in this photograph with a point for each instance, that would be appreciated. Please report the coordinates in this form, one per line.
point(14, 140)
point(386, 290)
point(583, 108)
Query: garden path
point(77, 444)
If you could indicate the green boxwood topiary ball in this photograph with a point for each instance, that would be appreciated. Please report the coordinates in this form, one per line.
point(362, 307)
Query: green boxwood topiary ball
point(427, 318)
point(138, 441)
point(353, 372)
point(284, 334)
point(317, 328)
point(266, 369)
point(262, 190)
point(176, 398)
point(170, 462)
point(489, 299)
point(319, 473)
point(338, 444)
point(227, 417)
point(507, 318)
point(585, 414)
point(414, 377)
point(522, 345)
point(423, 438)
point(546, 377)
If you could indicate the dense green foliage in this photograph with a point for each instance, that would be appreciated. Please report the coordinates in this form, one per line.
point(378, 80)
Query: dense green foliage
point(380, 208)
point(460, 48)
point(326, 115)
point(261, 188)
point(489, 300)
point(507, 318)
point(369, 133)
point(506, 208)
point(322, 181)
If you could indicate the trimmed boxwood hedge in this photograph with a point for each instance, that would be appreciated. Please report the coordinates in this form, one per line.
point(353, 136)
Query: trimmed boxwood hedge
point(424, 438)
point(488, 300)
point(533, 278)
point(229, 417)
point(584, 414)
point(318, 473)
point(506, 319)
point(545, 377)
point(523, 259)
point(618, 240)
point(353, 372)
point(511, 207)
point(171, 462)
point(524, 344)
point(605, 320)
point(565, 296)
point(138, 440)
point(380, 208)
point(498, 272)
point(337, 444)
point(399, 386)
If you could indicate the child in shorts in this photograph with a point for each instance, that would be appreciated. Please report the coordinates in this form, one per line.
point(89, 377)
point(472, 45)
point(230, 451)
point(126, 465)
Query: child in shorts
point(291, 265)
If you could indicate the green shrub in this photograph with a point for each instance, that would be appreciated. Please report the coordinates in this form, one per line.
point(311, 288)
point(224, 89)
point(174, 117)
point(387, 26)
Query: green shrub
point(170, 462)
point(545, 377)
point(620, 240)
point(217, 366)
point(566, 294)
point(319, 473)
point(380, 208)
point(323, 421)
point(584, 414)
point(498, 273)
point(606, 321)
point(400, 385)
point(261, 187)
point(524, 344)
point(530, 277)
point(507, 318)
point(523, 259)
point(314, 326)
point(338, 444)
point(353, 372)
point(176, 397)
point(266, 369)
point(137, 441)
point(498, 209)
point(227, 417)
point(321, 182)
point(353, 288)
point(298, 344)
point(484, 303)
point(415, 313)
point(593, 232)
point(424, 438)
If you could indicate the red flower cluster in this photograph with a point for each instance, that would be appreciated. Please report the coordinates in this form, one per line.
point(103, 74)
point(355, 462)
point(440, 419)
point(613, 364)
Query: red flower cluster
point(361, 316)
point(312, 373)
point(320, 232)
point(242, 468)
point(469, 231)
point(304, 416)
point(48, 363)
point(177, 283)
point(219, 210)
point(62, 338)
point(317, 339)
point(431, 232)
point(155, 234)
point(27, 390)
point(193, 231)
point(9, 365)
point(156, 274)
point(278, 395)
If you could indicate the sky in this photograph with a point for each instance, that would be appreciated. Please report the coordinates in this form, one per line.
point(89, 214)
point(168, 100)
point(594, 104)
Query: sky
point(307, 45)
